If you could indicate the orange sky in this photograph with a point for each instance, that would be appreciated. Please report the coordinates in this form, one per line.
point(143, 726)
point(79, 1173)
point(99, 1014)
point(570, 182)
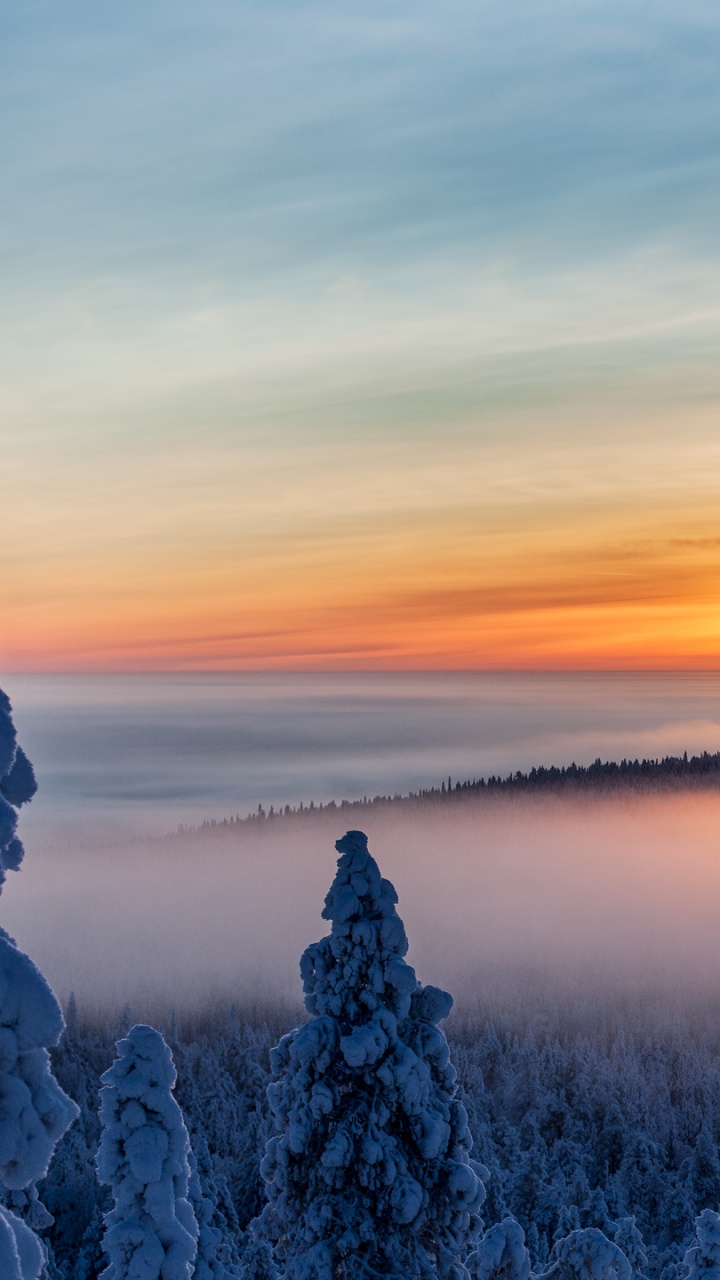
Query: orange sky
point(480, 562)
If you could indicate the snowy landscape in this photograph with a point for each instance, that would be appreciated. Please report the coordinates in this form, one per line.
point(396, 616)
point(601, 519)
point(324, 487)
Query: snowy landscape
point(557, 1130)
point(360, 640)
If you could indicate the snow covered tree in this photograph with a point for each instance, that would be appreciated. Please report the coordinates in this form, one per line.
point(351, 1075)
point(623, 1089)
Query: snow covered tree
point(35, 1112)
point(21, 1254)
point(628, 1238)
point(568, 1222)
point(207, 1263)
point(587, 1255)
point(501, 1254)
point(703, 1168)
point(369, 1173)
point(217, 1256)
point(151, 1232)
point(595, 1213)
point(703, 1258)
point(17, 786)
point(257, 1261)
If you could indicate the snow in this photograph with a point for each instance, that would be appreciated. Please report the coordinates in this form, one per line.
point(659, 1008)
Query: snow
point(151, 1233)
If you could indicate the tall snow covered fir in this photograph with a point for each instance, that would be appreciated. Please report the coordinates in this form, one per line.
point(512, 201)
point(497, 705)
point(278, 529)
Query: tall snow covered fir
point(35, 1112)
point(151, 1231)
point(369, 1173)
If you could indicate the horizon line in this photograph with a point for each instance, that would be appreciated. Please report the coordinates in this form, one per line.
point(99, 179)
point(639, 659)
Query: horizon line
point(362, 671)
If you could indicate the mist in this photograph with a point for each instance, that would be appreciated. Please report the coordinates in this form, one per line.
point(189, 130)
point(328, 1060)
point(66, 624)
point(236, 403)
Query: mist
point(120, 756)
point(552, 893)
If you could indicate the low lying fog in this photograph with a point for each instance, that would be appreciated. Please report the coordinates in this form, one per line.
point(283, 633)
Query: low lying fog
point(619, 892)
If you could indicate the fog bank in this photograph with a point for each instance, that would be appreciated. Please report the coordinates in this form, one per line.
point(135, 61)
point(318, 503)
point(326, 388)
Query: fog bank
point(550, 892)
point(126, 755)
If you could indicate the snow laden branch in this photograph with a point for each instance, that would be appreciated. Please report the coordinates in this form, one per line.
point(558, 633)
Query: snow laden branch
point(151, 1232)
point(369, 1173)
point(35, 1112)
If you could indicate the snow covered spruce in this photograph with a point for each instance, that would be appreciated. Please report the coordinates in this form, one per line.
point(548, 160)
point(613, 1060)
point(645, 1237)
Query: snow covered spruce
point(501, 1254)
point(214, 1257)
point(35, 1112)
point(587, 1255)
point(703, 1258)
point(369, 1174)
point(151, 1233)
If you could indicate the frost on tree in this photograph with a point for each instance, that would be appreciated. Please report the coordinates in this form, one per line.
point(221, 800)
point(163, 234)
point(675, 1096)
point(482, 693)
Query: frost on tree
point(215, 1259)
point(257, 1262)
point(501, 1254)
point(151, 1232)
point(628, 1237)
point(703, 1258)
point(35, 1112)
point(207, 1264)
point(587, 1255)
point(369, 1173)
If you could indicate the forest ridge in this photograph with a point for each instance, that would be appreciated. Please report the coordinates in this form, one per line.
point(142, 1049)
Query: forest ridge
point(668, 773)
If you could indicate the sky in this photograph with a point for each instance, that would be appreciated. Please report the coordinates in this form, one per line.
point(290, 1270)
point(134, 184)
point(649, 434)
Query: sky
point(361, 336)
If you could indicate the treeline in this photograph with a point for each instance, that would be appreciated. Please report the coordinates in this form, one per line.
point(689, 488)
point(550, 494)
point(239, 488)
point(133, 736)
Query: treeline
point(669, 773)
point(576, 1130)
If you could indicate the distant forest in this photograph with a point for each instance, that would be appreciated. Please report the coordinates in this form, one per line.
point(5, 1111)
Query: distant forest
point(671, 773)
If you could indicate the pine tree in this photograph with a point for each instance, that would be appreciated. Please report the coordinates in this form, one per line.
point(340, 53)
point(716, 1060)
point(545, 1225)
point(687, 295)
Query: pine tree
point(587, 1255)
point(628, 1237)
point(568, 1223)
point(703, 1169)
point(90, 1252)
point(35, 1111)
point(369, 1173)
point(257, 1262)
point(501, 1254)
point(703, 1257)
point(595, 1213)
point(151, 1232)
point(207, 1263)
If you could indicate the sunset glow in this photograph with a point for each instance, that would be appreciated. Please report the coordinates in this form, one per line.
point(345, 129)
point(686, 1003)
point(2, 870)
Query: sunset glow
point(412, 364)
